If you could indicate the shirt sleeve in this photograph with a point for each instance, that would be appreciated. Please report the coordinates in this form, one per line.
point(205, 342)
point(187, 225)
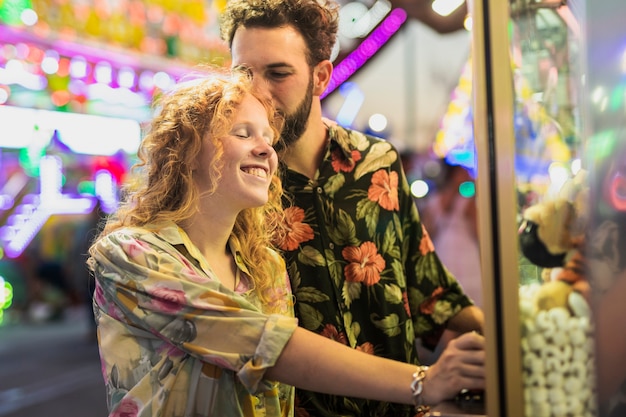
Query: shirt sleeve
point(145, 283)
point(435, 296)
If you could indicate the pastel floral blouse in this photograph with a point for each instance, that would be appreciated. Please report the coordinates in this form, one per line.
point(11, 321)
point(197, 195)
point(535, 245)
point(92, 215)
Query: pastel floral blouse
point(362, 267)
point(174, 341)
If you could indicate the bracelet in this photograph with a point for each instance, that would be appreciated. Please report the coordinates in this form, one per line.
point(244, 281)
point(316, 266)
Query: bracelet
point(417, 387)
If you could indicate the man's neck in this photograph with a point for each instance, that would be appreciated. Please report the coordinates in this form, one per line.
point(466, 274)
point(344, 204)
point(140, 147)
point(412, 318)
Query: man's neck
point(306, 154)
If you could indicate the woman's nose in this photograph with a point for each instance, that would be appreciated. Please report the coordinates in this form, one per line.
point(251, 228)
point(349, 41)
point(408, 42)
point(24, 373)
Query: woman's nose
point(263, 148)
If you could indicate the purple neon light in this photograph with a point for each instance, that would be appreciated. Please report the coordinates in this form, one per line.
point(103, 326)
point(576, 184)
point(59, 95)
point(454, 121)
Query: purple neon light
point(94, 53)
point(376, 39)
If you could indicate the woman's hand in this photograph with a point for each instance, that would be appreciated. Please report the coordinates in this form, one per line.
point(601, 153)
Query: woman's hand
point(460, 366)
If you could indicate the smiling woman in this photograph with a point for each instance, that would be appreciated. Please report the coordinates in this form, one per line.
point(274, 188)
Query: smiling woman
point(192, 301)
point(188, 249)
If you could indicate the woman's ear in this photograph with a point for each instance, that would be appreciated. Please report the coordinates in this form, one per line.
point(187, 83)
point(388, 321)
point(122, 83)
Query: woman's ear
point(321, 76)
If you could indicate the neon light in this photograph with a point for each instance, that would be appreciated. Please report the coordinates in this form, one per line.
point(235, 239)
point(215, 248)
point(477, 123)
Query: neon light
point(14, 73)
point(351, 106)
point(355, 60)
point(6, 294)
point(81, 133)
point(50, 176)
point(14, 185)
point(467, 189)
point(106, 190)
point(617, 191)
point(22, 227)
point(419, 188)
point(446, 7)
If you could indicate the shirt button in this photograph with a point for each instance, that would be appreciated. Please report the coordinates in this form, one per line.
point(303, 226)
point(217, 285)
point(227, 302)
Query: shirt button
point(319, 190)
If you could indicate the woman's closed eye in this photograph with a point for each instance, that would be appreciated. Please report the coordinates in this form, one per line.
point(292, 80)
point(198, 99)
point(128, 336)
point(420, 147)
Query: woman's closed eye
point(241, 133)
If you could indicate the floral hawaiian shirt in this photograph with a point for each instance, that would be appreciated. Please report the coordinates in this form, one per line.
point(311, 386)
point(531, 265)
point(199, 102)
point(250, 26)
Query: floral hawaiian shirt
point(174, 341)
point(362, 267)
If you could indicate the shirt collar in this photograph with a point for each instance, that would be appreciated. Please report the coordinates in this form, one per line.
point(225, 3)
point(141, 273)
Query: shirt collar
point(175, 235)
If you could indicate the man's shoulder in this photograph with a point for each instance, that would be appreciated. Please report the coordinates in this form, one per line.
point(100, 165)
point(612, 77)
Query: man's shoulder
point(351, 138)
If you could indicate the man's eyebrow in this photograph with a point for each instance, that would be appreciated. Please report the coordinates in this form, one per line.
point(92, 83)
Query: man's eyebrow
point(279, 65)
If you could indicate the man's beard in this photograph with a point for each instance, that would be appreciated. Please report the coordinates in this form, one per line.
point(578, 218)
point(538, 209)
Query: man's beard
point(295, 123)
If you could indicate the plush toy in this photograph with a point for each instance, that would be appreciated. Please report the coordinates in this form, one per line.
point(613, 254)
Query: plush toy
point(551, 236)
point(555, 314)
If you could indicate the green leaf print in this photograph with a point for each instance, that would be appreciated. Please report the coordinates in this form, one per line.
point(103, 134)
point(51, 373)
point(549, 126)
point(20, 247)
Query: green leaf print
point(378, 157)
point(398, 272)
point(344, 231)
point(334, 267)
point(334, 183)
point(393, 294)
point(354, 139)
point(399, 227)
point(422, 325)
point(311, 318)
point(311, 256)
point(368, 210)
point(389, 239)
point(355, 329)
point(352, 329)
point(427, 268)
point(416, 297)
point(351, 291)
point(310, 295)
point(389, 324)
point(444, 310)
point(294, 276)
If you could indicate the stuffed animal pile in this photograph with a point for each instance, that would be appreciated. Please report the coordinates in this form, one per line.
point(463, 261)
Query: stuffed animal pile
point(556, 325)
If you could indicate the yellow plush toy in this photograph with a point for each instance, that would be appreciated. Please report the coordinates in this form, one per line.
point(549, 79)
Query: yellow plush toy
point(552, 236)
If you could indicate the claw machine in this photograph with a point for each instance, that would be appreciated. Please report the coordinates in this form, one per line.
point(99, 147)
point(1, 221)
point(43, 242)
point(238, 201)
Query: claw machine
point(550, 132)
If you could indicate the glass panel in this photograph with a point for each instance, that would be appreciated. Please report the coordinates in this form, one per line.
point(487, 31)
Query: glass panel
point(606, 152)
point(552, 185)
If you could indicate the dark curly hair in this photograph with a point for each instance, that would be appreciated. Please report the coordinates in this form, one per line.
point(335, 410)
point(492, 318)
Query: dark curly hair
point(316, 20)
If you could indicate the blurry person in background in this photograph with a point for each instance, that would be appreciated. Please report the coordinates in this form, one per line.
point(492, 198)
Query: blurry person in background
point(362, 266)
point(450, 216)
point(192, 300)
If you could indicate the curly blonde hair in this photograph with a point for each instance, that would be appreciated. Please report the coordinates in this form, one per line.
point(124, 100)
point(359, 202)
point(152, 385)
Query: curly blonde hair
point(162, 186)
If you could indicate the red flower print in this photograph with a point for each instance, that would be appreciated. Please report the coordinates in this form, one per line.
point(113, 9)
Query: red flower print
point(135, 248)
point(167, 299)
point(366, 347)
point(365, 264)
point(126, 408)
point(296, 231)
point(191, 273)
point(426, 244)
point(384, 190)
point(300, 412)
point(405, 300)
point(331, 332)
point(340, 163)
point(428, 306)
